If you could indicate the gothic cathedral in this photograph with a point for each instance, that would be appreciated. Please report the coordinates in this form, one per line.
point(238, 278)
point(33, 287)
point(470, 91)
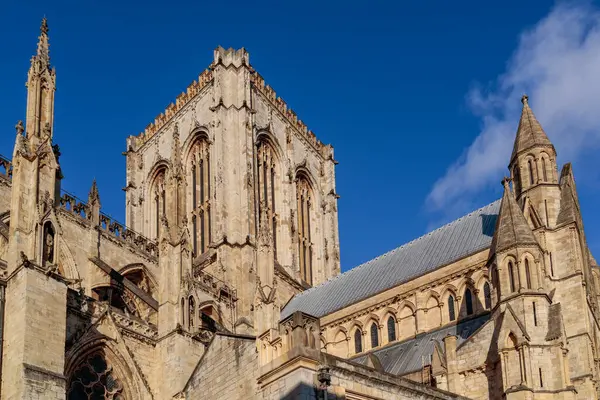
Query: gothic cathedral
point(224, 281)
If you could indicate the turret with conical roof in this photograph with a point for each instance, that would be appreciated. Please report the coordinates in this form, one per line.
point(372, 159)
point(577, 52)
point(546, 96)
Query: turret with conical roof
point(533, 167)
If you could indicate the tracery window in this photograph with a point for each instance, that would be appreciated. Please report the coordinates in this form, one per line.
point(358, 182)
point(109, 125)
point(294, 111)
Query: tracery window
point(374, 335)
point(267, 176)
point(159, 201)
point(94, 379)
point(487, 296)
point(358, 341)
point(469, 301)
point(451, 311)
point(200, 195)
point(305, 249)
point(48, 244)
point(391, 327)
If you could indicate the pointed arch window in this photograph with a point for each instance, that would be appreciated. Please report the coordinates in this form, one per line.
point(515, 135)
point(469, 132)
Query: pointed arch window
point(358, 341)
point(544, 172)
point(527, 274)
point(512, 277)
point(191, 312)
point(305, 246)
point(159, 195)
point(531, 177)
point(451, 311)
point(391, 328)
point(95, 379)
point(374, 335)
point(487, 295)
point(200, 177)
point(266, 179)
point(469, 301)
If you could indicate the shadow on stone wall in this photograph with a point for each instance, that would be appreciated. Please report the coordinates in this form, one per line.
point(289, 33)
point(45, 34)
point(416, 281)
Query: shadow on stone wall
point(303, 391)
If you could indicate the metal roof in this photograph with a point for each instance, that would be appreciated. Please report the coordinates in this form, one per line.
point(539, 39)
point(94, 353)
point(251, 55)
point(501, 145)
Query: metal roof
point(462, 237)
point(410, 355)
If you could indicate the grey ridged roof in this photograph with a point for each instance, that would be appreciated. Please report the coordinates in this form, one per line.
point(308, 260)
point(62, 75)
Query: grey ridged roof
point(451, 242)
point(410, 355)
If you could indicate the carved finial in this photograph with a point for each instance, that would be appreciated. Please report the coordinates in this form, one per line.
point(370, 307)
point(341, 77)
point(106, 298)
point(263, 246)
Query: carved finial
point(524, 99)
point(505, 182)
point(44, 27)
point(20, 128)
point(94, 196)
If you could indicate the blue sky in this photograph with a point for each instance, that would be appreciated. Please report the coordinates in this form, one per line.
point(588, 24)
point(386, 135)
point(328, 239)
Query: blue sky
point(421, 101)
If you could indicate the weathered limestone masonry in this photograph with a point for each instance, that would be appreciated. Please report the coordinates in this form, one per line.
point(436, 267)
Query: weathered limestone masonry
point(225, 280)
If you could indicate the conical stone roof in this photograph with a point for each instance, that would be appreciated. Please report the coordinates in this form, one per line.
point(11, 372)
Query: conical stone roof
point(530, 132)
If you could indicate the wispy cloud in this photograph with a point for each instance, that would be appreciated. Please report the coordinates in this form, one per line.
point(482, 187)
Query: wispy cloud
point(557, 63)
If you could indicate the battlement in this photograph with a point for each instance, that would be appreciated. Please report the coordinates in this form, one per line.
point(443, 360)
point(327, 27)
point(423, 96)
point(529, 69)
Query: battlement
point(184, 97)
point(289, 114)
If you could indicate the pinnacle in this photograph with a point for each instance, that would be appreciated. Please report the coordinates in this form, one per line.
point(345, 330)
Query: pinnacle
point(511, 228)
point(530, 132)
point(44, 27)
point(94, 196)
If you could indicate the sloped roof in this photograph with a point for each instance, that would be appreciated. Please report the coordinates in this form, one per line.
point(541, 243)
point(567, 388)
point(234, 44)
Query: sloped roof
point(464, 236)
point(530, 132)
point(512, 227)
point(410, 355)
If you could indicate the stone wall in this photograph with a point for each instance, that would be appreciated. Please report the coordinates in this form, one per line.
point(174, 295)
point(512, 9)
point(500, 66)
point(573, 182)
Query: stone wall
point(228, 370)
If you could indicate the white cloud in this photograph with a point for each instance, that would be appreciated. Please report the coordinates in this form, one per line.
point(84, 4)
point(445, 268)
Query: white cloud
point(557, 63)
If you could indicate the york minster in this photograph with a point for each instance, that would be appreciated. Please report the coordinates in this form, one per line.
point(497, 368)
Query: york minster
point(224, 280)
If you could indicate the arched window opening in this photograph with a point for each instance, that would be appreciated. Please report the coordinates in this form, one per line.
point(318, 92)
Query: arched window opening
point(544, 172)
point(191, 312)
point(182, 312)
point(200, 196)
point(48, 244)
point(358, 341)
point(159, 201)
point(487, 296)
point(451, 311)
point(374, 335)
point(267, 178)
point(531, 177)
point(511, 276)
point(305, 250)
point(496, 280)
point(469, 301)
point(391, 327)
point(95, 379)
point(527, 274)
point(516, 179)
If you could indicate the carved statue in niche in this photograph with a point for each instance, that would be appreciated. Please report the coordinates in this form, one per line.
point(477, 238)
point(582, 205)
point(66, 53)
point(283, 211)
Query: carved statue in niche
point(48, 245)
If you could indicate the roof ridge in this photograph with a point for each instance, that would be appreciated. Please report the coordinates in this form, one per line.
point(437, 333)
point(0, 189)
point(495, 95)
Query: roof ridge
point(402, 246)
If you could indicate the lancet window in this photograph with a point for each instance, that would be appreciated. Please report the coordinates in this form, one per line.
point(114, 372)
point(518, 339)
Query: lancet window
point(267, 178)
point(544, 172)
point(358, 341)
point(531, 177)
point(391, 326)
point(159, 200)
point(487, 296)
point(374, 335)
point(451, 311)
point(527, 274)
point(200, 195)
point(305, 246)
point(516, 179)
point(469, 301)
point(512, 277)
point(191, 312)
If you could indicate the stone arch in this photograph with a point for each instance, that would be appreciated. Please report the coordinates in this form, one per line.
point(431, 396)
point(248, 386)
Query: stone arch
point(116, 297)
point(198, 133)
point(117, 365)
point(155, 204)
point(266, 136)
point(211, 309)
point(449, 303)
point(406, 320)
point(371, 317)
point(67, 265)
point(134, 268)
point(529, 270)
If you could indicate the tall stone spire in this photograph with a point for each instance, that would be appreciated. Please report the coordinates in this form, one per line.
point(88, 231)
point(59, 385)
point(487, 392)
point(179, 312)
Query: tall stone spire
point(530, 132)
point(511, 228)
point(43, 47)
point(41, 84)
